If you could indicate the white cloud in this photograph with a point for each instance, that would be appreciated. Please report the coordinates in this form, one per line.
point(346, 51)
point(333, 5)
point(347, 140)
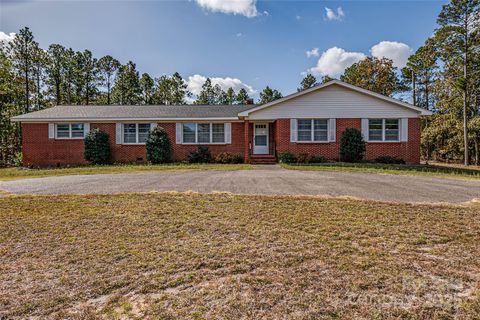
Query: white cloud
point(239, 35)
point(312, 53)
point(247, 8)
point(195, 82)
point(330, 13)
point(298, 17)
point(397, 51)
point(6, 37)
point(334, 61)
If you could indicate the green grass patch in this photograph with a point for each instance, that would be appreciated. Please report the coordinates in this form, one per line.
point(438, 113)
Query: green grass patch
point(223, 256)
point(24, 173)
point(455, 172)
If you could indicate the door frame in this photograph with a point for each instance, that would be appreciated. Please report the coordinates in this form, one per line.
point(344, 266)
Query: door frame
point(267, 146)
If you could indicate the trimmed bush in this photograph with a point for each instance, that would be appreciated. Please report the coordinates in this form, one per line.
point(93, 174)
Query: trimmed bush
point(286, 157)
point(389, 160)
point(303, 158)
point(228, 157)
point(318, 159)
point(97, 147)
point(159, 149)
point(352, 146)
point(201, 155)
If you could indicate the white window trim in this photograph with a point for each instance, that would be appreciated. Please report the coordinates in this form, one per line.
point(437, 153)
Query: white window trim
point(136, 134)
point(312, 133)
point(69, 131)
point(210, 131)
point(384, 129)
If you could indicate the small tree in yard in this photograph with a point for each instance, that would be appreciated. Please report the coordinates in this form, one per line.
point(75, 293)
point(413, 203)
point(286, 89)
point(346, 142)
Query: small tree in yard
point(352, 146)
point(159, 149)
point(97, 147)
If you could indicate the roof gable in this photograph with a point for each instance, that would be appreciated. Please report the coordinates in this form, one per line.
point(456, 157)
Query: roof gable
point(356, 89)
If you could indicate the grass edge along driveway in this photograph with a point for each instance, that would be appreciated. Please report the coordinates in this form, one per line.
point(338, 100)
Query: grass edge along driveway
point(437, 171)
point(7, 174)
point(192, 256)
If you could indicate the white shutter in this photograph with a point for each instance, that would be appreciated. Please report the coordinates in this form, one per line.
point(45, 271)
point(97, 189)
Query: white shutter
point(365, 129)
point(332, 127)
point(179, 133)
point(153, 125)
point(228, 133)
point(86, 129)
point(293, 130)
point(118, 133)
point(404, 129)
point(51, 131)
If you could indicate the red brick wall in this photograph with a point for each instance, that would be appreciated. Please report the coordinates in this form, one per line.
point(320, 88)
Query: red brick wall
point(39, 150)
point(408, 151)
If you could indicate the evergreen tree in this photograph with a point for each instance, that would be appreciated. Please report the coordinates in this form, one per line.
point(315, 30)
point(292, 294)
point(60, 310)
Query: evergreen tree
point(458, 38)
point(207, 95)
point(219, 95)
point(107, 67)
point(147, 87)
point(326, 79)
point(88, 72)
point(179, 89)
point(55, 71)
point(230, 96)
point(242, 96)
point(126, 89)
point(39, 67)
point(307, 82)
point(269, 95)
point(21, 50)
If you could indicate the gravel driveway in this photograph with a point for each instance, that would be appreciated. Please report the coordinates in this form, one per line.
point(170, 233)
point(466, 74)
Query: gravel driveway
point(268, 180)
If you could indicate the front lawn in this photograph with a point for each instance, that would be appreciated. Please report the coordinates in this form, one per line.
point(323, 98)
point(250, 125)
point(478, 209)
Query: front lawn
point(191, 256)
point(24, 173)
point(433, 170)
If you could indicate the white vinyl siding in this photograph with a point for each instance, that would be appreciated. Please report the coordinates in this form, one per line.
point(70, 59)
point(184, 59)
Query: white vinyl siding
point(69, 130)
point(334, 102)
point(203, 133)
point(312, 130)
point(383, 130)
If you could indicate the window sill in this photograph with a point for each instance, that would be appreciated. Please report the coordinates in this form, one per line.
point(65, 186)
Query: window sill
point(203, 144)
point(396, 141)
point(133, 144)
point(70, 138)
point(314, 142)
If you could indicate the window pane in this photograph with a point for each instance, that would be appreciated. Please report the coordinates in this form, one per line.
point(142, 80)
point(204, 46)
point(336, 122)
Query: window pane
point(77, 130)
point(304, 129)
point(261, 140)
point(391, 130)
point(63, 131)
point(375, 128)
point(320, 127)
point(129, 133)
point(218, 132)
point(189, 132)
point(203, 132)
point(143, 130)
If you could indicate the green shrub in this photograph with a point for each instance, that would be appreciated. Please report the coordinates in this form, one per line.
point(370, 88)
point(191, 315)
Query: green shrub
point(303, 158)
point(18, 159)
point(228, 157)
point(201, 155)
point(159, 149)
point(318, 159)
point(389, 160)
point(97, 147)
point(286, 157)
point(352, 146)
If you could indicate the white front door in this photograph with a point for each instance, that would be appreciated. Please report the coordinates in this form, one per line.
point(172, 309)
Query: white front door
point(260, 138)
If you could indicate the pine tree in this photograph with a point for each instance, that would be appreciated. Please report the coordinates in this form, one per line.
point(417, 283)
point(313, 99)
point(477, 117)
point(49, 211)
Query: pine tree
point(179, 89)
point(55, 71)
point(107, 67)
point(126, 89)
point(147, 87)
point(269, 95)
point(242, 96)
point(230, 96)
point(207, 95)
point(307, 82)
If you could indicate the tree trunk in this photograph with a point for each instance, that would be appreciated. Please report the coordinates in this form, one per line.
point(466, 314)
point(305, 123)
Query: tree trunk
point(465, 95)
point(57, 89)
point(27, 89)
point(108, 89)
point(413, 90)
point(426, 91)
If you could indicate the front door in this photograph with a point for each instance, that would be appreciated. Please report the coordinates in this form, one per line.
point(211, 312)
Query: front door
point(260, 138)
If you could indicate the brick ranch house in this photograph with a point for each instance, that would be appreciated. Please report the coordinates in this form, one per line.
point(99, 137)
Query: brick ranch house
point(311, 121)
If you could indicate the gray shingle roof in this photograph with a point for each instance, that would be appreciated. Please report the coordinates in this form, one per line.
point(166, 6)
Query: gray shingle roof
point(134, 112)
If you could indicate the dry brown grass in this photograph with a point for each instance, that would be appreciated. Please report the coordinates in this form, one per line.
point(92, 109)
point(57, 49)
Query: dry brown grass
point(220, 256)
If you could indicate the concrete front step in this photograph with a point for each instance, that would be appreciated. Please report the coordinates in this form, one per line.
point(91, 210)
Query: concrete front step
point(263, 159)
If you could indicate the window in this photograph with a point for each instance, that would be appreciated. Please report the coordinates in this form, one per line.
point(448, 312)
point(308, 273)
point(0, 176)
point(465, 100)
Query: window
point(312, 130)
point(383, 130)
point(203, 133)
point(70, 131)
point(135, 132)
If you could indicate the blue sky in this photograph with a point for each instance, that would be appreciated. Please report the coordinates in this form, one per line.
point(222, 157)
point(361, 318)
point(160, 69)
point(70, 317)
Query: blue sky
point(255, 43)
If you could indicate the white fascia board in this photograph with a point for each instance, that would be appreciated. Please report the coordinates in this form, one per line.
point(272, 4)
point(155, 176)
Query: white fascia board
point(101, 120)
